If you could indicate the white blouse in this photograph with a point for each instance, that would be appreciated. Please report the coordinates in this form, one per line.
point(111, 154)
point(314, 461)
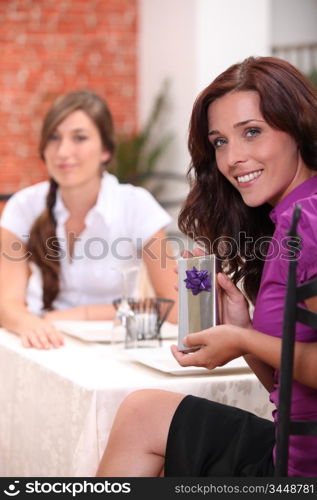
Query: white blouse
point(116, 228)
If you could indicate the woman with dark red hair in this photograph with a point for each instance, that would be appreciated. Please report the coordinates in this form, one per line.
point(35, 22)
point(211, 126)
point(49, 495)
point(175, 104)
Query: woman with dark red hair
point(253, 145)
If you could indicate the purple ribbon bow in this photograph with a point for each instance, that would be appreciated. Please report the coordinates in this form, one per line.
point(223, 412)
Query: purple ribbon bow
point(198, 281)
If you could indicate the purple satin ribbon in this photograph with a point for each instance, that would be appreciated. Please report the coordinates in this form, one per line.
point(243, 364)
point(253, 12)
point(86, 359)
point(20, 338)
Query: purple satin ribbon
point(198, 281)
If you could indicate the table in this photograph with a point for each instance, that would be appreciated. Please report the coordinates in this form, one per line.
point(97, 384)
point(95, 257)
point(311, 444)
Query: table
point(57, 406)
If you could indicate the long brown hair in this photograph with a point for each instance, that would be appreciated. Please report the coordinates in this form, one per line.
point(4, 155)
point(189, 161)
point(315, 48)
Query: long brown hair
point(214, 210)
point(43, 244)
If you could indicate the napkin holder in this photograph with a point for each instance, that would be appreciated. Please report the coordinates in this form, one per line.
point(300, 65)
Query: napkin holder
point(143, 327)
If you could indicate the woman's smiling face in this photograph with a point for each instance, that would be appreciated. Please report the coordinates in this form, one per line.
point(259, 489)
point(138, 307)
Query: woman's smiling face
point(261, 162)
point(74, 152)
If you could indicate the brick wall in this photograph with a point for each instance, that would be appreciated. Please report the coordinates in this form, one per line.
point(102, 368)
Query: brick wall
point(49, 47)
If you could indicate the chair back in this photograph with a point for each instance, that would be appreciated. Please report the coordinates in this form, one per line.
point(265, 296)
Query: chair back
point(293, 313)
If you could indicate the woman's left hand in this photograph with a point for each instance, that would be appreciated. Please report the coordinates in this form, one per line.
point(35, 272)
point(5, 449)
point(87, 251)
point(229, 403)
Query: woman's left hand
point(220, 345)
point(233, 306)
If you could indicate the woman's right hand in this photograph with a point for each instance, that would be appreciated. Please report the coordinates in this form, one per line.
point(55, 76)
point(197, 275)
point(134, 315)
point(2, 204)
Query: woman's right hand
point(40, 333)
point(14, 315)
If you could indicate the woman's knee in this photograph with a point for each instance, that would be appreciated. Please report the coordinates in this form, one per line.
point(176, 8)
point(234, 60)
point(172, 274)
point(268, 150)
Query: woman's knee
point(140, 402)
point(149, 407)
point(144, 418)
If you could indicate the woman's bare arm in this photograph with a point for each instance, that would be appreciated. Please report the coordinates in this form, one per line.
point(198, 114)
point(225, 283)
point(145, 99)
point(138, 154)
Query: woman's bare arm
point(14, 315)
point(160, 261)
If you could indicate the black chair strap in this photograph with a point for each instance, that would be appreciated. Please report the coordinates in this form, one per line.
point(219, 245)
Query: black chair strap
point(5, 197)
point(307, 317)
point(303, 428)
point(306, 290)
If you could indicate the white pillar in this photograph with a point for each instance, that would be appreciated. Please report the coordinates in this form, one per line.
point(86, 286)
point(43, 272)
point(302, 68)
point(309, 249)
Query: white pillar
point(227, 32)
point(189, 42)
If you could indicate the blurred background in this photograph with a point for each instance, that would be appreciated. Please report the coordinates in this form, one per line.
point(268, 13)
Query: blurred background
point(148, 58)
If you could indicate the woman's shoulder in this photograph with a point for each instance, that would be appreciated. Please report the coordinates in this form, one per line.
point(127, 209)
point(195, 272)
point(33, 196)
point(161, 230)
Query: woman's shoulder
point(127, 193)
point(34, 192)
point(134, 206)
point(308, 215)
point(23, 207)
point(307, 231)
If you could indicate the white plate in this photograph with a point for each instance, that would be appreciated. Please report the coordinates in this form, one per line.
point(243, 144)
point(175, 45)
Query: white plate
point(101, 331)
point(169, 331)
point(161, 358)
point(90, 331)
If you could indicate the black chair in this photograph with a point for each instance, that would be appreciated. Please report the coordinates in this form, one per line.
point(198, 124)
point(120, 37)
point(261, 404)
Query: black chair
point(5, 196)
point(292, 313)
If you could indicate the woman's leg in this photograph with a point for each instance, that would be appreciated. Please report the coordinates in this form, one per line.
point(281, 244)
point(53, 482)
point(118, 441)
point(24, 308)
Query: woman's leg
point(137, 441)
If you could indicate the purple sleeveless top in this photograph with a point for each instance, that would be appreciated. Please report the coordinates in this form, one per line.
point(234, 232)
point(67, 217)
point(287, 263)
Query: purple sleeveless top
point(268, 312)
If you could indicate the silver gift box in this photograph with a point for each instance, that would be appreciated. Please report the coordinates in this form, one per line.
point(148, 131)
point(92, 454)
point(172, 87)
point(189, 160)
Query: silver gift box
point(197, 312)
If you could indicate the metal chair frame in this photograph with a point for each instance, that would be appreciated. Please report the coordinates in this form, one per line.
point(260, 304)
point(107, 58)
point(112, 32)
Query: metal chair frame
point(293, 313)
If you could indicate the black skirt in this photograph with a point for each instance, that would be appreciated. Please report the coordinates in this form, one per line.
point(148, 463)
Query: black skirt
point(209, 439)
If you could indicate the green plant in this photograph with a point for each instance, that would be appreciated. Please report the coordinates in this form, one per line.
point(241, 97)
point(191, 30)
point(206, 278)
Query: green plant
point(137, 156)
point(313, 76)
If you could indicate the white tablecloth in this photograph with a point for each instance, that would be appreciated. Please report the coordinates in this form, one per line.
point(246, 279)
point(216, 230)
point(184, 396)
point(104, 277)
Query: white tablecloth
point(57, 406)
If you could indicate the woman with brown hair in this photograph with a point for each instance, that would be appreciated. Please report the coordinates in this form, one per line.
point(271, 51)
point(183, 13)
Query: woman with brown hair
point(253, 145)
point(63, 239)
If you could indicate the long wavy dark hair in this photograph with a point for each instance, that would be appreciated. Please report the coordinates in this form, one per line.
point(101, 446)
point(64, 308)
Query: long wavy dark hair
point(43, 231)
point(214, 210)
